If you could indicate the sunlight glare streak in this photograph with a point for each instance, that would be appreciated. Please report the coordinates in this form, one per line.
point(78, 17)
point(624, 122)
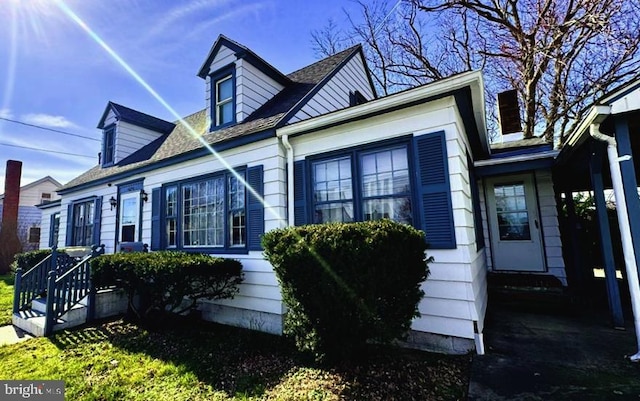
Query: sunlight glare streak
point(11, 61)
point(71, 14)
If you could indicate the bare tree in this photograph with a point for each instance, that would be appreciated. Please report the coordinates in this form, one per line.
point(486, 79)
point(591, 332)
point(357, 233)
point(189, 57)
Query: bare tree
point(560, 55)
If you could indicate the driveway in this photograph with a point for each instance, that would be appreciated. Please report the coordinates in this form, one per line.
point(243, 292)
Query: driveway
point(554, 353)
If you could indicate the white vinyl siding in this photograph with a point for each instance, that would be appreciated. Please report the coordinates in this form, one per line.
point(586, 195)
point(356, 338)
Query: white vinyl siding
point(33, 195)
point(45, 227)
point(334, 95)
point(455, 292)
point(253, 87)
point(131, 138)
point(260, 291)
point(550, 225)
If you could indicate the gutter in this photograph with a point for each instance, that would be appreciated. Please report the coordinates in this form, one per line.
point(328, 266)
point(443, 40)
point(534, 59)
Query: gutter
point(290, 189)
point(623, 220)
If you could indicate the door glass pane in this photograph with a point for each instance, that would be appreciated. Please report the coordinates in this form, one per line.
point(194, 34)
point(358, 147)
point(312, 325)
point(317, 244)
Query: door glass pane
point(512, 213)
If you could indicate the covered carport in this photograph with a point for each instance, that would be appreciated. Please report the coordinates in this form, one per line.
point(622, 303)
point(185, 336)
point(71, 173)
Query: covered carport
point(600, 155)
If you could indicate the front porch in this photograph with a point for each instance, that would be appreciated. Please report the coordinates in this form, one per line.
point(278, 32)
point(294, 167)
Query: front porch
point(598, 159)
point(57, 293)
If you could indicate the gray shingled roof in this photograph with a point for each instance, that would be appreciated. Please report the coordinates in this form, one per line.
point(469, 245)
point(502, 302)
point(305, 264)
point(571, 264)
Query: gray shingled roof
point(180, 141)
point(136, 117)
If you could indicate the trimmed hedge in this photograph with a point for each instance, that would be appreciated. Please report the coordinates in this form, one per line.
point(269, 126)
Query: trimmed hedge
point(164, 279)
point(348, 284)
point(27, 260)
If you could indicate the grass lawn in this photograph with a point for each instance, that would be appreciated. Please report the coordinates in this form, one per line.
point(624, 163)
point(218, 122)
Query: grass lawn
point(119, 360)
point(6, 299)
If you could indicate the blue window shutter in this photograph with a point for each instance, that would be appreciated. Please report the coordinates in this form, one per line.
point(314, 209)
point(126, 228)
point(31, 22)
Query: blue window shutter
point(255, 208)
point(434, 190)
point(52, 220)
point(156, 231)
point(69, 234)
point(97, 221)
point(299, 193)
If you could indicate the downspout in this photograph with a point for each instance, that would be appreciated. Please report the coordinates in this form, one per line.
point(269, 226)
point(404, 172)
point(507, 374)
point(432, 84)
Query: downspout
point(625, 228)
point(290, 199)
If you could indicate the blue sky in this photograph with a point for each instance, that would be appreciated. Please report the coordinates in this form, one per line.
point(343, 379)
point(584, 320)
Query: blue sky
point(54, 74)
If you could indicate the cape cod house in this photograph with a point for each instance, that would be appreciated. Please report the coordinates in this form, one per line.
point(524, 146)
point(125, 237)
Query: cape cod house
point(313, 146)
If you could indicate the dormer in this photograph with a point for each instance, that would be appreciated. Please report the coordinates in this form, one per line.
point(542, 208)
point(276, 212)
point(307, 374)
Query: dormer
point(238, 82)
point(124, 131)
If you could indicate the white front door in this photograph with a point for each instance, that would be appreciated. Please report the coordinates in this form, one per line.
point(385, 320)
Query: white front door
point(516, 240)
point(129, 217)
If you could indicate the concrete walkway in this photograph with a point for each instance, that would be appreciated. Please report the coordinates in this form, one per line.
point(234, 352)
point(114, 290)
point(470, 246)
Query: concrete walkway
point(12, 335)
point(560, 353)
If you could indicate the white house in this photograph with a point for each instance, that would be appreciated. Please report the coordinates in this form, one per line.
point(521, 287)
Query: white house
point(29, 216)
point(318, 145)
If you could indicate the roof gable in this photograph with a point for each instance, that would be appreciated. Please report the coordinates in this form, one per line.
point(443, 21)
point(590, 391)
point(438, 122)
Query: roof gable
point(183, 143)
point(135, 117)
point(241, 52)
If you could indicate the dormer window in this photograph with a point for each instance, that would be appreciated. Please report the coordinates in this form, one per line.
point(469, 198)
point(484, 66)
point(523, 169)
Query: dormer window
point(109, 145)
point(224, 101)
point(223, 97)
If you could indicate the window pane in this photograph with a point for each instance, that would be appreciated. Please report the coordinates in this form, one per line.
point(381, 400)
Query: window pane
point(386, 186)
point(225, 113)
point(398, 209)
point(512, 213)
point(171, 232)
point(225, 88)
point(332, 182)
point(171, 201)
point(334, 212)
point(203, 209)
point(237, 218)
point(385, 173)
point(129, 212)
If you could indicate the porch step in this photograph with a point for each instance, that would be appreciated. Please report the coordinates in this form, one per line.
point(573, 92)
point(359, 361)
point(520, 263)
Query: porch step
point(77, 313)
point(531, 292)
point(33, 320)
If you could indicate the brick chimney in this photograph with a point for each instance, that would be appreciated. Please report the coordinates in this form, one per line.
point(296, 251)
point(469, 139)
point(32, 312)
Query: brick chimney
point(9, 242)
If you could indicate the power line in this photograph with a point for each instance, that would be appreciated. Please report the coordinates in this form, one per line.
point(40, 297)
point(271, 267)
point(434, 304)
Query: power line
point(45, 150)
point(48, 129)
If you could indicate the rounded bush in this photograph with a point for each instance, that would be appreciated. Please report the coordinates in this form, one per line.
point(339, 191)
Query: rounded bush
point(348, 284)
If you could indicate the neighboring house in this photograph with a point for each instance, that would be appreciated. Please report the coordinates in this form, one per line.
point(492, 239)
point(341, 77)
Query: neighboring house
point(317, 145)
point(29, 216)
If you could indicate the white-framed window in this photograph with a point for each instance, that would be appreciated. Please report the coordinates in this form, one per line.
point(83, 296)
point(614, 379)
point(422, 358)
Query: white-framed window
point(224, 100)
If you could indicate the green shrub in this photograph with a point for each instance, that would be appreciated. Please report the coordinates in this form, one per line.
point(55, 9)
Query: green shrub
point(165, 280)
point(27, 260)
point(348, 284)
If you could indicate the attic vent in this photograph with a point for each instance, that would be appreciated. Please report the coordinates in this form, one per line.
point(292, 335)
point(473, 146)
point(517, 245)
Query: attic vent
point(356, 98)
point(509, 112)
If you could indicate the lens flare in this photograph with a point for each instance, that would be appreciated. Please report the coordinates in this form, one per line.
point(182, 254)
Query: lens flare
point(74, 17)
point(71, 14)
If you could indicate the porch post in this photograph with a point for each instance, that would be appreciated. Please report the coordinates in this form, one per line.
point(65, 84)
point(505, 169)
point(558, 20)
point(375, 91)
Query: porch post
point(576, 256)
point(613, 292)
point(629, 181)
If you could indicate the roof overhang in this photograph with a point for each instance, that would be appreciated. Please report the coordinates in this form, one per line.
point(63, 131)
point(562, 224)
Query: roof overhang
point(242, 52)
point(467, 85)
point(596, 115)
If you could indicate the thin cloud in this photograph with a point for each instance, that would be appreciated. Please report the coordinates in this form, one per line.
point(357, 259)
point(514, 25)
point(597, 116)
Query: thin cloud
point(6, 113)
point(174, 15)
point(246, 9)
point(48, 120)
